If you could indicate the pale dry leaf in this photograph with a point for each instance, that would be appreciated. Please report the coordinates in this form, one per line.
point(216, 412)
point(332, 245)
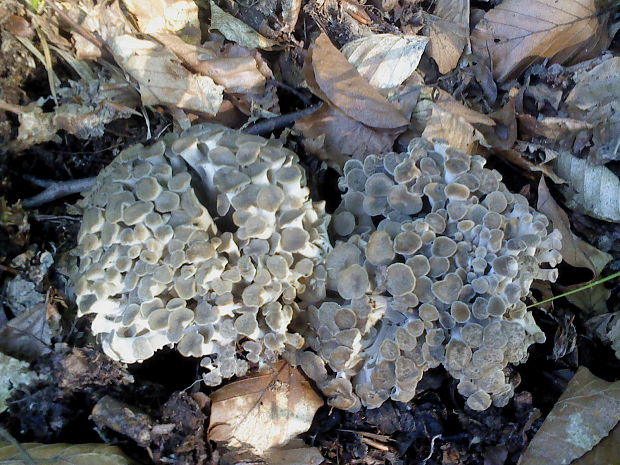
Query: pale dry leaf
point(597, 187)
point(597, 86)
point(605, 452)
point(431, 95)
point(453, 129)
point(236, 30)
point(263, 411)
point(238, 74)
point(179, 17)
point(584, 414)
point(62, 454)
point(520, 33)
point(386, 60)
point(337, 137)
point(575, 251)
point(592, 300)
point(162, 79)
point(554, 128)
point(336, 81)
point(516, 158)
point(297, 454)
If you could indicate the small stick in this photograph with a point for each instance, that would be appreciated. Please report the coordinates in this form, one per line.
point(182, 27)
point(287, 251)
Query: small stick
point(57, 190)
point(279, 122)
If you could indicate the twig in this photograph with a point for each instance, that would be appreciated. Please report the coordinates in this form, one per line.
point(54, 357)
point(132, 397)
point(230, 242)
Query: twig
point(55, 190)
point(290, 89)
point(279, 122)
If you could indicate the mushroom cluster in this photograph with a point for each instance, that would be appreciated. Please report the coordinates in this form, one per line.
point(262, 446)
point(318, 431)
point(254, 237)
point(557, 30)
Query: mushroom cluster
point(433, 255)
point(208, 242)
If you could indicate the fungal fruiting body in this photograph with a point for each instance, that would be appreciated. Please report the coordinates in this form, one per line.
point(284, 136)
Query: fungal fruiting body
point(220, 278)
point(432, 257)
point(210, 243)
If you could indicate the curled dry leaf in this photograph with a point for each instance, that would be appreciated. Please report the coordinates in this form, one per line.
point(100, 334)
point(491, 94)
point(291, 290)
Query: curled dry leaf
point(597, 187)
point(386, 60)
point(584, 414)
point(238, 74)
point(179, 17)
point(236, 30)
point(520, 33)
point(575, 251)
point(336, 81)
point(263, 411)
point(62, 454)
point(162, 79)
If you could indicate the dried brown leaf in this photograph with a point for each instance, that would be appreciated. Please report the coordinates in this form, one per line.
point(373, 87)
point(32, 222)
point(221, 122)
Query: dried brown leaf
point(448, 29)
point(162, 79)
point(516, 158)
point(340, 84)
point(263, 411)
point(597, 187)
point(575, 251)
point(386, 60)
point(334, 137)
point(592, 300)
point(62, 454)
point(605, 452)
point(520, 33)
point(585, 413)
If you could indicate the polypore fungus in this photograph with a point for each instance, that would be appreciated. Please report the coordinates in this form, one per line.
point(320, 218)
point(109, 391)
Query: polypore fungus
point(433, 257)
point(208, 242)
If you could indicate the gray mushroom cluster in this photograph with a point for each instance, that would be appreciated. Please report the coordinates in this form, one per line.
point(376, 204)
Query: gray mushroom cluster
point(220, 278)
point(432, 258)
point(209, 243)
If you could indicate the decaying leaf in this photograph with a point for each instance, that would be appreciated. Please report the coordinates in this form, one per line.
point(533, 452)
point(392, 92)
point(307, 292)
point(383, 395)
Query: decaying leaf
point(333, 136)
point(162, 79)
point(584, 414)
point(605, 452)
point(595, 99)
point(263, 411)
point(13, 372)
point(27, 336)
point(448, 29)
point(236, 30)
point(592, 300)
point(386, 60)
point(336, 81)
point(520, 33)
point(62, 454)
point(179, 17)
point(575, 251)
point(593, 189)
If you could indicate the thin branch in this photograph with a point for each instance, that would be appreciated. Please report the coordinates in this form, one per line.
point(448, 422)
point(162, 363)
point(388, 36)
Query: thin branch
point(279, 122)
point(56, 190)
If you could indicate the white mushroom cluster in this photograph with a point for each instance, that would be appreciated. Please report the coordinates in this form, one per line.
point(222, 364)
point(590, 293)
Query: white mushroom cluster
point(209, 243)
point(432, 259)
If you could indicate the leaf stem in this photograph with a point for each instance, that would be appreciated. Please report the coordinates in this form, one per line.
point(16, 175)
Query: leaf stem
point(574, 291)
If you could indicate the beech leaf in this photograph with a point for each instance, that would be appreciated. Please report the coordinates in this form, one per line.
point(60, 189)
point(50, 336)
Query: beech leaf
point(236, 30)
point(386, 60)
point(597, 187)
point(263, 411)
point(584, 414)
point(62, 454)
point(343, 86)
point(520, 33)
point(575, 251)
